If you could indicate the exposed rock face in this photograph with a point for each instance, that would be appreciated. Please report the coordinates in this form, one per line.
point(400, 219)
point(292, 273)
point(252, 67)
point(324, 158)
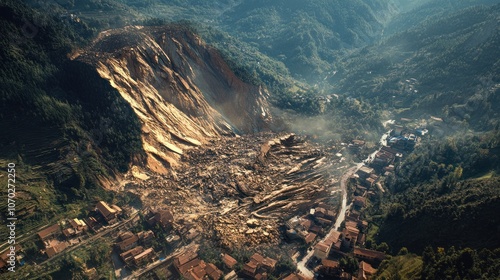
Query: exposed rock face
point(182, 91)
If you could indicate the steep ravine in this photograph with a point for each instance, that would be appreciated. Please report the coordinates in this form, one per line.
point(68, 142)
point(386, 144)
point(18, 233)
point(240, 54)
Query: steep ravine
point(181, 90)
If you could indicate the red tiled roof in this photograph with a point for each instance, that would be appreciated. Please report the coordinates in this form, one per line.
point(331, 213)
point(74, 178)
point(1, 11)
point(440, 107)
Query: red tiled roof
point(310, 238)
point(369, 254)
point(322, 247)
point(213, 271)
point(229, 261)
point(49, 231)
point(257, 258)
point(132, 253)
point(187, 266)
point(250, 267)
point(367, 268)
point(127, 242)
point(329, 263)
point(269, 262)
point(185, 258)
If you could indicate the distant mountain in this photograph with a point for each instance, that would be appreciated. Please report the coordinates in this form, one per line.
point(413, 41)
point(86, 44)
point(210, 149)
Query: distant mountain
point(454, 61)
point(413, 13)
point(306, 34)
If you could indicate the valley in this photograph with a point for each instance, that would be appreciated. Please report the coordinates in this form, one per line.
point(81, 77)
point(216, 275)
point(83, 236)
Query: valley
point(250, 139)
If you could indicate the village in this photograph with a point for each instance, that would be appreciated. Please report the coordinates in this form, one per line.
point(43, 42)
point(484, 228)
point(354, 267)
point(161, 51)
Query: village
point(162, 235)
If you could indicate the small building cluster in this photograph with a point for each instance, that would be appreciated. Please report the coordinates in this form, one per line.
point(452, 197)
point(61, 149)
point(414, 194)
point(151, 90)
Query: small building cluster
point(132, 248)
point(258, 267)
point(58, 237)
point(308, 227)
point(351, 240)
point(109, 213)
point(191, 267)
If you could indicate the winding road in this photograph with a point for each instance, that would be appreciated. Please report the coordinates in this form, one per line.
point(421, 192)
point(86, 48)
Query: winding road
point(301, 266)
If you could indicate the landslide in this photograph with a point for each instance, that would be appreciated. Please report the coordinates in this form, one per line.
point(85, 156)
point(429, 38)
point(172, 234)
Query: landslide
point(181, 90)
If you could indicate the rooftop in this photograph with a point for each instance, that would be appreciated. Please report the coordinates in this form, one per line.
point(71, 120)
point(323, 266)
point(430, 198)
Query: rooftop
point(49, 231)
point(229, 261)
point(104, 209)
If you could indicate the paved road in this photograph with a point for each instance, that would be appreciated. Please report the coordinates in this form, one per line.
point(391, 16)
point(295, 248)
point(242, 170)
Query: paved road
point(301, 266)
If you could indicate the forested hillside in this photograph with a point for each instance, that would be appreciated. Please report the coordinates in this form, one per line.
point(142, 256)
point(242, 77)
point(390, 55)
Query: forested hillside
point(61, 123)
point(454, 60)
point(441, 196)
point(413, 13)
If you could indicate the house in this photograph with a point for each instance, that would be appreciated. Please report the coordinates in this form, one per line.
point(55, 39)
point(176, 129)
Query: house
point(361, 239)
point(92, 223)
point(231, 275)
point(386, 155)
point(78, 225)
point(258, 266)
point(330, 268)
point(364, 172)
point(316, 229)
point(389, 168)
point(261, 276)
point(146, 237)
point(350, 236)
point(229, 261)
point(366, 271)
point(213, 272)
point(56, 249)
point(128, 256)
point(333, 240)
point(310, 238)
point(125, 235)
point(321, 250)
point(258, 258)
point(305, 224)
point(369, 256)
point(128, 243)
point(353, 214)
point(325, 222)
point(69, 232)
point(163, 217)
point(144, 257)
point(363, 225)
point(370, 182)
point(359, 202)
point(194, 270)
point(319, 212)
point(49, 232)
point(358, 143)
point(250, 268)
point(182, 260)
point(269, 264)
point(293, 222)
point(110, 214)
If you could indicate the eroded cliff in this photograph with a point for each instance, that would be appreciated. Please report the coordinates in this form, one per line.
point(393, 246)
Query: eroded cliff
point(183, 92)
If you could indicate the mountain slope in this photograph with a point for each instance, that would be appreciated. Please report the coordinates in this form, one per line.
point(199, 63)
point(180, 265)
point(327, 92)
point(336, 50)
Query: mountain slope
point(182, 91)
point(72, 132)
point(455, 61)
